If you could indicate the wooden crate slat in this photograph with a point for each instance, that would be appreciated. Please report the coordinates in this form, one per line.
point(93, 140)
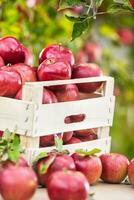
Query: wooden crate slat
point(103, 144)
point(98, 112)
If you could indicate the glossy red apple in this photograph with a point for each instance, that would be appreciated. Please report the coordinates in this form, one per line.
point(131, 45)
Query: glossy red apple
point(67, 185)
point(57, 51)
point(28, 56)
point(22, 162)
point(131, 172)
point(126, 36)
point(114, 167)
point(53, 163)
point(10, 82)
point(17, 182)
point(70, 93)
point(1, 62)
point(74, 140)
point(54, 69)
point(26, 72)
point(84, 71)
point(94, 51)
point(90, 166)
point(11, 50)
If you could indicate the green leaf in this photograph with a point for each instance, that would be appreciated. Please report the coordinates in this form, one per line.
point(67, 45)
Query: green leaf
point(40, 156)
point(116, 8)
point(44, 167)
point(13, 155)
point(70, 3)
point(88, 153)
point(79, 28)
point(75, 19)
point(58, 143)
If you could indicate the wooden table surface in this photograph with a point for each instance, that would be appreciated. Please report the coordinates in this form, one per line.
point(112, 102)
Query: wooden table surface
point(102, 192)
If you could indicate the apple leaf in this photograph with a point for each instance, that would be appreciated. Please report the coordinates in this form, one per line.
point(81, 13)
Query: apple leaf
point(44, 167)
point(58, 143)
point(88, 153)
point(10, 147)
point(40, 156)
point(116, 8)
point(80, 27)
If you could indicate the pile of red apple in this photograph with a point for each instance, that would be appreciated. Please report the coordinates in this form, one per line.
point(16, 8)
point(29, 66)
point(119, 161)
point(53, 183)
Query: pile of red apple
point(64, 176)
point(55, 63)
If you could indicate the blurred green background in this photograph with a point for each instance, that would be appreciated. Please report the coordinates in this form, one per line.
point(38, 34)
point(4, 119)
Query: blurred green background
point(36, 23)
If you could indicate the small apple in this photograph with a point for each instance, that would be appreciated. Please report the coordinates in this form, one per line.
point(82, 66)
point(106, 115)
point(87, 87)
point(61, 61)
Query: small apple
point(81, 57)
point(28, 56)
point(57, 51)
point(114, 167)
point(94, 51)
point(85, 132)
point(89, 165)
point(126, 36)
point(84, 71)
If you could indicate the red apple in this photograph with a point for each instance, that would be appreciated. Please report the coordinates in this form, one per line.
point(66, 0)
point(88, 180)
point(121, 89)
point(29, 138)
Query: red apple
point(114, 167)
point(70, 93)
point(1, 62)
point(53, 163)
point(1, 133)
point(17, 182)
point(94, 51)
point(67, 185)
point(74, 140)
point(10, 82)
point(22, 162)
point(54, 69)
point(48, 140)
point(126, 36)
point(131, 172)
point(48, 96)
point(84, 71)
point(11, 50)
point(132, 3)
point(85, 132)
point(57, 51)
point(28, 56)
point(89, 137)
point(90, 166)
point(81, 57)
point(26, 72)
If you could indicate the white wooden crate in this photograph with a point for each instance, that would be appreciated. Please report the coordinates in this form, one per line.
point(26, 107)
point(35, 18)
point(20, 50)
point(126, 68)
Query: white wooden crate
point(32, 119)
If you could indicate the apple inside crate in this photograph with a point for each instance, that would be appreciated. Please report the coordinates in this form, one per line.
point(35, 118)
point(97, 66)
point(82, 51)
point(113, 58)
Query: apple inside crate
point(32, 119)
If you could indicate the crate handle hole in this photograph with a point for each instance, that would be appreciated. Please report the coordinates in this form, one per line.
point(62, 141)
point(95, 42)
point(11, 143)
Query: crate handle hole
point(74, 118)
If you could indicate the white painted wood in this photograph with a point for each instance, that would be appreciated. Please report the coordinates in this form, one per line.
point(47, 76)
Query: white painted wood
point(103, 132)
point(103, 144)
point(70, 81)
point(109, 87)
point(98, 112)
point(16, 115)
